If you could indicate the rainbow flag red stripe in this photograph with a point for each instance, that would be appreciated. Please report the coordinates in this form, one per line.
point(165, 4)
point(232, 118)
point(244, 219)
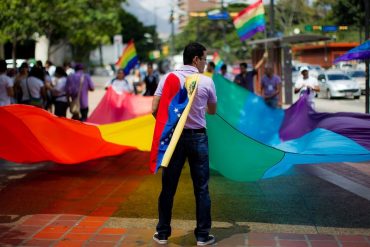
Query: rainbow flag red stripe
point(128, 59)
point(217, 60)
point(250, 20)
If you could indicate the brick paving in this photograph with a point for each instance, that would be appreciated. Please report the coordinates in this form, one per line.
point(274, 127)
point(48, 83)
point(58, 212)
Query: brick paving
point(74, 206)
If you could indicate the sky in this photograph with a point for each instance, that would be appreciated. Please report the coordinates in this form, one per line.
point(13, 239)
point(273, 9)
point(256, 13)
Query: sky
point(151, 12)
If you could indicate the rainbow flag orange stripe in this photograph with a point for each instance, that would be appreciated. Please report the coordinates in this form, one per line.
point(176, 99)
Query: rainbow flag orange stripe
point(128, 59)
point(250, 21)
point(217, 60)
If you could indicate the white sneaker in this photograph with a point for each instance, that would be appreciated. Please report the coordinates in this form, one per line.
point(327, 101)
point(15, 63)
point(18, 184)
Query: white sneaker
point(210, 240)
point(159, 240)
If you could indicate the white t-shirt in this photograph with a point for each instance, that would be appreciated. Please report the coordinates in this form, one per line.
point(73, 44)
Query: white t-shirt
point(5, 83)
point(122, 86)
point(59, 90)
point(305, 83)
point(34, 85)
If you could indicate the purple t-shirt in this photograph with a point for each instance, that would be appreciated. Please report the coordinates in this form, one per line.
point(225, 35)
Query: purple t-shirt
point(206, 93)
point(270, 85)
point(73, 84)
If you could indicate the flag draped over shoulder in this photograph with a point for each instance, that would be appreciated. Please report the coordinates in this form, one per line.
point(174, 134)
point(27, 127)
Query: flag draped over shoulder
point(171, 117)
point(217, 60)
point(250, 20)
point(128, 59)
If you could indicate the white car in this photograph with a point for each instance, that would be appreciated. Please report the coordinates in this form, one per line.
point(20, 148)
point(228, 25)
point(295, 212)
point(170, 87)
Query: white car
point(337, 84)
point(360, 77)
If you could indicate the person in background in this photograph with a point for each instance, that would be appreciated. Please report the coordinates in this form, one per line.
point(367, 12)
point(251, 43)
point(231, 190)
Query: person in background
point(210, 69)
point(307, 84)
point(193, 144)
point(139, 85)
point(271, 87)
point(6, 85)
point(68, 68)
point(224, 73)
point(22, 76)
point(50, 68)
point(33, 88)
point(246, 78)
point(59, 92)
point(73, 90)
point(151, 81)
point(119, 83)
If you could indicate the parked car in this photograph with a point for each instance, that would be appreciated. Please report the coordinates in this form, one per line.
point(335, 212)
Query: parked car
point(360, 77)
point(334, 83)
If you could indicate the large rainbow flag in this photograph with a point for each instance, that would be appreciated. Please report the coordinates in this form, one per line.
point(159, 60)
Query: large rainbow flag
point(119, 106)
point(128, 59)
point(250, 20)
point(217, 60)
point(247, 139)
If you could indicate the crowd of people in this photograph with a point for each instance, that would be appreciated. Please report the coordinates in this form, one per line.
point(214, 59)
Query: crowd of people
point(49, 87)
point(54, 88)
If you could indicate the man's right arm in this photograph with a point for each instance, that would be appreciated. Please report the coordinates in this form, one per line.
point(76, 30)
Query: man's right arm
point(211, 108)
point(155, 105)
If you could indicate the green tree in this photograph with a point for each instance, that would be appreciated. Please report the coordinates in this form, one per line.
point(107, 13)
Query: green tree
point(145, 37)
point(16, 22)
point(84, 24)
point(351, 13)
point(290, 14)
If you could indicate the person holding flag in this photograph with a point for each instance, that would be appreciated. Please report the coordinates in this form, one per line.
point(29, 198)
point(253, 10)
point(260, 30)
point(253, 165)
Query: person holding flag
point(184, 88)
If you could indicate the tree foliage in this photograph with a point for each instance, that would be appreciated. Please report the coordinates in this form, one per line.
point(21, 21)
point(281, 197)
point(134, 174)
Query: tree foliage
point(145, 37)
point(83, 23)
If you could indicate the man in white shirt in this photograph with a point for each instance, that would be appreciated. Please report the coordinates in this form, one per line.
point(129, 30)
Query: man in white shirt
point(6, 85)
point(307, 84)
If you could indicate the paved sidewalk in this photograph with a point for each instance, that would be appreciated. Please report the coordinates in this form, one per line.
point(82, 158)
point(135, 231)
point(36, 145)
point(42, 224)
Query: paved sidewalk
point(112, 202)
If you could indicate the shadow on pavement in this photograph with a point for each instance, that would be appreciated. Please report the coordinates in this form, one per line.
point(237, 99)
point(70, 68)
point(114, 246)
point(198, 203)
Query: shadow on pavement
point(122, 186)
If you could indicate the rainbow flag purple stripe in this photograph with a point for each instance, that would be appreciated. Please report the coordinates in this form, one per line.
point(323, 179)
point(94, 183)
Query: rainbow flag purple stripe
point(250, 21)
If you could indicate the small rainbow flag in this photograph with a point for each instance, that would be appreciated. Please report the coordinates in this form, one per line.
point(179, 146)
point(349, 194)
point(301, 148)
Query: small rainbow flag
point(128, 59)
point(250, 20)
point(217, 60)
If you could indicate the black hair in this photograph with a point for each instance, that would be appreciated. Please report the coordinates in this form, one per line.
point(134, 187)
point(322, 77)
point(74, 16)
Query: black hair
point(3, 66)
point(37, 72)
point(212, 65)
point(224, 67)
point(192, 50)
point(243, 65)
point(59, 71)
point(39, 63)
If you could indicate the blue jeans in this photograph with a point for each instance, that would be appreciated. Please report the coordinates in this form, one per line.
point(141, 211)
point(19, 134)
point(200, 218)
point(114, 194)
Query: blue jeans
point(193, 146)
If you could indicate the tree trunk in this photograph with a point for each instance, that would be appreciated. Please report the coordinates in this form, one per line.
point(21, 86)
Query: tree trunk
point(101, 55)
point(14, 53)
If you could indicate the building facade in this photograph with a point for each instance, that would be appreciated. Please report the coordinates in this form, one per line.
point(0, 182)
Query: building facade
point(188, 6)
point(322, 54)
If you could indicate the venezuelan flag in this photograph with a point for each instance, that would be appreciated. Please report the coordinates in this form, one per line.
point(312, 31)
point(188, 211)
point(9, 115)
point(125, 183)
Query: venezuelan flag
point(171, 117)
point(129, 58)
point(250, 20)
